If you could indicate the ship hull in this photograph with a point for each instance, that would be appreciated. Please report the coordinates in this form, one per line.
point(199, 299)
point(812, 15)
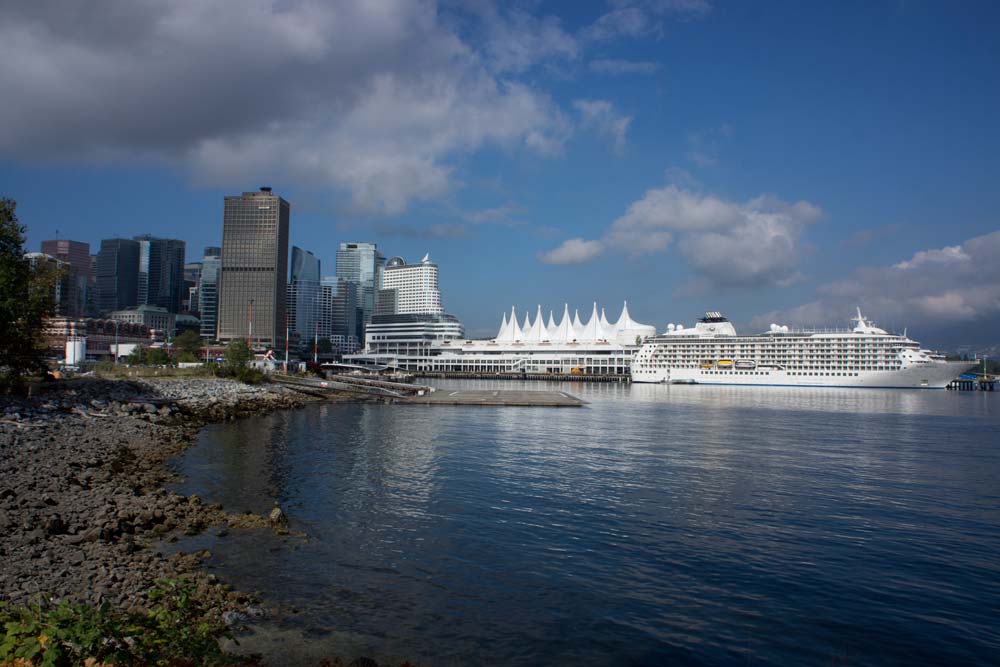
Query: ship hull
point(925, 376)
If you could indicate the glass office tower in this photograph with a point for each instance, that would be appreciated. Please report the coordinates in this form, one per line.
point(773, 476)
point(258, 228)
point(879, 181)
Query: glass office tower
point(359, 268)
point(117, 274)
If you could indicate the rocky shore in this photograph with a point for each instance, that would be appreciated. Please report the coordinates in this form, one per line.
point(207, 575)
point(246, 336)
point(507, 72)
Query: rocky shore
point(82, 498)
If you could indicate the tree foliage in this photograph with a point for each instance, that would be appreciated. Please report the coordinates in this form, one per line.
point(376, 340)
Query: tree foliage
point(237, 356)
point(27, 297)
point(189, 342)
point(149, 356)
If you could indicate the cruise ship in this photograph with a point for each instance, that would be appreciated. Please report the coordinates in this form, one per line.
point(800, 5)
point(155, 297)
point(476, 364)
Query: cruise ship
point(712, 352)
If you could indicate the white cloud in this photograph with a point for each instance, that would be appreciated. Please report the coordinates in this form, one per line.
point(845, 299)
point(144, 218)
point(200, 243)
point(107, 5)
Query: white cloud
point(942, 288)
point(615, 67)
point(374, 100)
point(948, 255)
point(634, 18)
point(731, 244)
point(573, 251)
point(516, 40)
point(601, 116)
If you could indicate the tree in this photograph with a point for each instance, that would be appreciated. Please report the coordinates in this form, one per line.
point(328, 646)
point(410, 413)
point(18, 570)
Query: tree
point(324, 346)
point(27, 297)
point(237, 356)
point(189, 342)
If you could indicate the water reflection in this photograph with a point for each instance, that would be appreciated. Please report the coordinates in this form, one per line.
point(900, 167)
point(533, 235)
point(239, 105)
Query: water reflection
point(658, 523)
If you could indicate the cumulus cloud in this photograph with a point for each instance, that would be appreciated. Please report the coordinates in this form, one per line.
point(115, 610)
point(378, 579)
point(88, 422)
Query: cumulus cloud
point(573, 251)
point(940, 288)
point(732, 244)
point(373, 99)
point(615, 67)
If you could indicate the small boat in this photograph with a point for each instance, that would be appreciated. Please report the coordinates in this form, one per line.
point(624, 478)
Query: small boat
point(746, 364)
point(725, 363)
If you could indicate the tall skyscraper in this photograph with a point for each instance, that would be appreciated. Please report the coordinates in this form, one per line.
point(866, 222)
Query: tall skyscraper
point(75, 256)
point(161, 272)
point(304, 294)
point(359, 267)
point(117, 274)
point(208, 292)
point(254, 274)
point(339, 314)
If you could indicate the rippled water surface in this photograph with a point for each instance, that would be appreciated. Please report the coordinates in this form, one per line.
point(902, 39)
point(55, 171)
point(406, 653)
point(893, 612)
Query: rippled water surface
point(656, 525)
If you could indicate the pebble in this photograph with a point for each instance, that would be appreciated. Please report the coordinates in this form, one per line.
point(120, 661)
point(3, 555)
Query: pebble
point(82, 468)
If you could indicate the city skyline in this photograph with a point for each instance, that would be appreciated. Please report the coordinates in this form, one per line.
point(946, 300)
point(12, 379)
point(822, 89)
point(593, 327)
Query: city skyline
point(776, 162)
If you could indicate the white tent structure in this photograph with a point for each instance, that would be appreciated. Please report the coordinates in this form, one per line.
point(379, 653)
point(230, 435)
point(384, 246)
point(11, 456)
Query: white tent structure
point(624, 331)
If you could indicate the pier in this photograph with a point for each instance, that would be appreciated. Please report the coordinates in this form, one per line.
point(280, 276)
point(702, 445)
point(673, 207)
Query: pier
point(973, 384)
point(550, 377)
point(548, 399)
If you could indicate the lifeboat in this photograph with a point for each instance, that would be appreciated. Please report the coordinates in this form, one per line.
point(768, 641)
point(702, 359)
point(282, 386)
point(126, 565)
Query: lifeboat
point(746, 364)
point(725, 363)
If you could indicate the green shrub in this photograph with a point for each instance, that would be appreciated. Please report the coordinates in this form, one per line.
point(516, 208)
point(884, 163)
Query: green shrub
point(177, 631)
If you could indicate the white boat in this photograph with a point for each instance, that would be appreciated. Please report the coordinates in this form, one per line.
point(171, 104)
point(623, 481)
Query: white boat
point(865, 356)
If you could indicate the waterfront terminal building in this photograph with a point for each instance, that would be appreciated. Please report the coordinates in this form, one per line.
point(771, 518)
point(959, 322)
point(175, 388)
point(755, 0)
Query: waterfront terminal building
point(436, 344)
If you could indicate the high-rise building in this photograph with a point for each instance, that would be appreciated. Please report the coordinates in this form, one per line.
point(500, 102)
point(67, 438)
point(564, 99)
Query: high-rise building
point(192, 276)
point(75, 255)
point(254, 272)
point(409, 288)
point(208, 292)
point(410, 319)
point(359, 267)
point(304, 302)
point(117, 275)
point(339, 315)
point(161, 272)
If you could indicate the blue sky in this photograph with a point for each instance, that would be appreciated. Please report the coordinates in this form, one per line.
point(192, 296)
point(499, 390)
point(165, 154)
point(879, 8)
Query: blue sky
point(777, 161)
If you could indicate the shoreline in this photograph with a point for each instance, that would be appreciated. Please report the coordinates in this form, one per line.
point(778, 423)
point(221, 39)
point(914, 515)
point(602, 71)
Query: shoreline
point(83, 498)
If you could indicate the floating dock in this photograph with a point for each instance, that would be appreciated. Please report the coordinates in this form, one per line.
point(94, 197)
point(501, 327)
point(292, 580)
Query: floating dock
point(500, 397)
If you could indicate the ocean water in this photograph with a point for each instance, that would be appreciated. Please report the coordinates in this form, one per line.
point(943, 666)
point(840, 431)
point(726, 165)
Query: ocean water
point(657, 525)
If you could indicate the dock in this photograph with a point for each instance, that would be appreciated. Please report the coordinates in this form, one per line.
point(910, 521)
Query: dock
point(500, 397)
point(547, 377)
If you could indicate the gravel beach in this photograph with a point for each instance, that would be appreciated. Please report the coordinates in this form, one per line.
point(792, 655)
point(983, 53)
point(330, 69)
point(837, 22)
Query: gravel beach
point(82, 498)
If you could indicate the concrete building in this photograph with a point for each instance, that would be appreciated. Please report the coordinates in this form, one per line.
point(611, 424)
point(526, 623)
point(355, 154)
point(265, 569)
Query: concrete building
point(359, 268)
point(75, 255)
point(208, 291)
point(410, 319)
point(153, 317)
point(254, 272)
point(117, 275)
point(409, 288)
point(161, 272)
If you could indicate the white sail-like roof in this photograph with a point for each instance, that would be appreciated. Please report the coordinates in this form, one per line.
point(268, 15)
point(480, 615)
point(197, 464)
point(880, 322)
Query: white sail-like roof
point(625, 331)
point(536, 333)
point(564, 332)
point(608, 330)
point(592, 330)
point(509, 332)
point(503, 328)
point(577, 325)
point(628, 330)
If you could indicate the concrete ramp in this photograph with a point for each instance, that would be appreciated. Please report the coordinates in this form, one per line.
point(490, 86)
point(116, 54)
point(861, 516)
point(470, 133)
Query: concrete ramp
point(500, 397)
